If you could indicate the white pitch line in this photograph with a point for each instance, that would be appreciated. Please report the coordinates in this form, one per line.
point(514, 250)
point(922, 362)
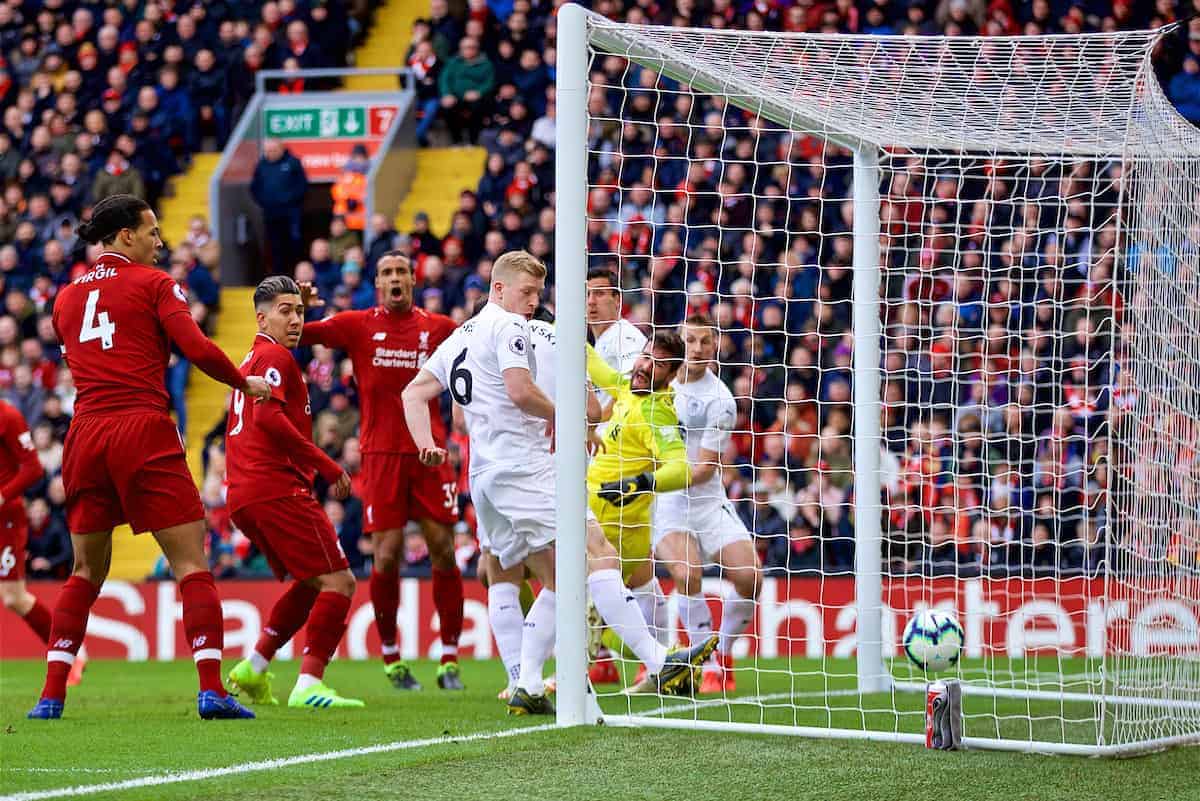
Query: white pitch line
point(266, 764)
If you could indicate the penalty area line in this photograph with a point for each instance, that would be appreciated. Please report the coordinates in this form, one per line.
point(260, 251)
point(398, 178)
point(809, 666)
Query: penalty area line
point(268, 764)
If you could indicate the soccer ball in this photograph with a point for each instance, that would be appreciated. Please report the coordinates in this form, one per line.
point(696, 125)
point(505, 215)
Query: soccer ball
point(933, 640)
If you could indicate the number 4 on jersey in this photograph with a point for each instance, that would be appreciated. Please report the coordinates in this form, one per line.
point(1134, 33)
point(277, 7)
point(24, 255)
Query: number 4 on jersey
point(96, 326)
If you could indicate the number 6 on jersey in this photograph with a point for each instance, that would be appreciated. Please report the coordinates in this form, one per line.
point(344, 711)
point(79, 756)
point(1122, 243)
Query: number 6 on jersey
point(91, 330)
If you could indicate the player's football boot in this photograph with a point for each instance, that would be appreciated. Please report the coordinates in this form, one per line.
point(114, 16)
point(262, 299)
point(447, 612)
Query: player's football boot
point(712, 680)
point(255, 686)
point(522, 703)
point(46, 709)
point(321, 696)
point(448, 677)
point(645, 684)
point(604, 669)
point(595, 632)
point(682, 664)
point(401, 677)
point(212, 706)
point(77, 668)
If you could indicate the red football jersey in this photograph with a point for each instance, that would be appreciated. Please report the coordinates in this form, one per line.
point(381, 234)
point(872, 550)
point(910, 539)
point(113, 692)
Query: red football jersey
point(256, 467)
point(18, 458)
point(387, 350)
point(110, 324)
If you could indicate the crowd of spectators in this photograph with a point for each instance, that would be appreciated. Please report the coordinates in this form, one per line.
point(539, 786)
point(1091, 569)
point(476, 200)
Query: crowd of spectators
point(1001, 280)
point(98, 98)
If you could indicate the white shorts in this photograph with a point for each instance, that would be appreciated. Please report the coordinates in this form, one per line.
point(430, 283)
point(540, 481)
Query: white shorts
point(713, 522)
point(515, 511)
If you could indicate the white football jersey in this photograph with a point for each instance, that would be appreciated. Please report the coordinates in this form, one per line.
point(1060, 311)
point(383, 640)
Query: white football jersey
point(707, 413)
point(471, 365)
point(619, 346)
point(541, 337)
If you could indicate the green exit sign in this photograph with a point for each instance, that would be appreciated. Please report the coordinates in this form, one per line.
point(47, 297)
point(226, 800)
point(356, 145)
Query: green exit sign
point(311, 123)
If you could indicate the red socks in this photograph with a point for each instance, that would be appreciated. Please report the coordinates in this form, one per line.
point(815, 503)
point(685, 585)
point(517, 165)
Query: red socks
point(38, 618)
point(287, 616)
point(448, 598)
point(326, 625)
point(385, 597)
point(204, 626)
point(67, 628)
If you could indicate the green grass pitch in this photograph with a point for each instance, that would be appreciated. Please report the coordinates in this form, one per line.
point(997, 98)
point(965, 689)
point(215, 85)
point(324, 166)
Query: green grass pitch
point(138, 721)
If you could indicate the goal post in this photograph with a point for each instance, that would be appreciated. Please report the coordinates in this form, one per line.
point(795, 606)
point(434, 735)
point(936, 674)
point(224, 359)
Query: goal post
point(971, 265)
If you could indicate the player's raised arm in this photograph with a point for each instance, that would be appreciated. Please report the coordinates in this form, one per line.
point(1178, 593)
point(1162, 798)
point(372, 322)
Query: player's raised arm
point(203, 352)
point(600, 374)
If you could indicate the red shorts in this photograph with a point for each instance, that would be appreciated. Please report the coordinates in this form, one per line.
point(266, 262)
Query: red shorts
point(14, 533)
point(127, 469)
point(399, 489)
point(295, 536)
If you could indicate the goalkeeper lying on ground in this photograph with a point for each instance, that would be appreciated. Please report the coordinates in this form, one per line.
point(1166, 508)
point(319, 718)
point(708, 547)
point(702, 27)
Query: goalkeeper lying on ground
point(641, 450)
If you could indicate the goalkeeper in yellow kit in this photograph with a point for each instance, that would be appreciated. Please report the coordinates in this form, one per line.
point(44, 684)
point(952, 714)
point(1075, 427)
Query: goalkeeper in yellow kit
point(641, 450)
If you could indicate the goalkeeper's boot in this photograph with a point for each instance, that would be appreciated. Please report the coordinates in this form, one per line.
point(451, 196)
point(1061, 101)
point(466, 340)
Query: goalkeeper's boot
point(46, 709)
point(681, 665)
point(244, 680)
point(523, 703)
point(604, 669)
point(448, 677)
point(321, 696)
point(213, 706)
point(401, 676)
point(595, 632)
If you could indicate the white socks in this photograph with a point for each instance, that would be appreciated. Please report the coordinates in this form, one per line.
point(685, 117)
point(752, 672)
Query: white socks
point(696, 617)
point(620, 611)
point(305, 680)
point(259, 662)
point(653, 604)
point(736, 614)
point(504, 614)
point(537, 641)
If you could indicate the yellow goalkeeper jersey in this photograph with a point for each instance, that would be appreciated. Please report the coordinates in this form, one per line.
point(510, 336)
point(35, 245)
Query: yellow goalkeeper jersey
point(641, 436)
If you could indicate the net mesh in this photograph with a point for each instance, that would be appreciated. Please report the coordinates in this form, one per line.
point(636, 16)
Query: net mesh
point(1039, 228)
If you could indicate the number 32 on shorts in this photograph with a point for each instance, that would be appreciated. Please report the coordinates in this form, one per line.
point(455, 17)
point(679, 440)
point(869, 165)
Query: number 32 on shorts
point(451, 490)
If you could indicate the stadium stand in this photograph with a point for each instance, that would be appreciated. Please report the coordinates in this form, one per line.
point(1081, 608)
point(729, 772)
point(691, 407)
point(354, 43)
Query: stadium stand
point(95, 98)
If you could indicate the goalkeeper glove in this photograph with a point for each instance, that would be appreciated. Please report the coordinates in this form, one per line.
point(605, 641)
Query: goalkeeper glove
point(626, 490)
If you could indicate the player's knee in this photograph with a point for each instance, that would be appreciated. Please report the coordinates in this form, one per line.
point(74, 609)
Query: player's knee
point(746, 581)
point(341, 582)
point(687, 578)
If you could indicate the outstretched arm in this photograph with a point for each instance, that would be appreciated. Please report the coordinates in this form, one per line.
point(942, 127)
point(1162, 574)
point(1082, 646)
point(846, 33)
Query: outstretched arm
point(202, 352)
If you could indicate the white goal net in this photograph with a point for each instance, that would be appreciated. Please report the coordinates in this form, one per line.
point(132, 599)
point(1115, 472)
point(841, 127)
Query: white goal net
point(955, 287)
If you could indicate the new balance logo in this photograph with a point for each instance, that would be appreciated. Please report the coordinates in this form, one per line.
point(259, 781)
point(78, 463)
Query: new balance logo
point(379, 336)
point(63, 644)
point(199, 641)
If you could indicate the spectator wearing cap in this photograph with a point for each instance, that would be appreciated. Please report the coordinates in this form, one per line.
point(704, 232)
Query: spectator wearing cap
point(349, 191)
point(362, 293)
point(422, 240)
point(278, 187)
point(465, 84)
